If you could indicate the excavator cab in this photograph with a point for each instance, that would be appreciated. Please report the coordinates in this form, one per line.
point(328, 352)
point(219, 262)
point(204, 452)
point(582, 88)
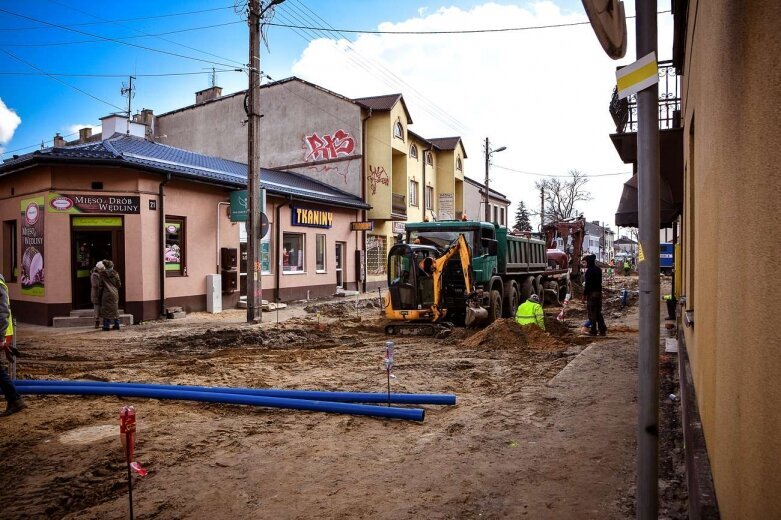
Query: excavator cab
point(410, 271)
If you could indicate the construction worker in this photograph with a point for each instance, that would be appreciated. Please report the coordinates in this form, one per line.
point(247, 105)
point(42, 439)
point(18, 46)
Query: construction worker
point(530, 312)
point(627, 266)
point(592, 294)
point(12, 397)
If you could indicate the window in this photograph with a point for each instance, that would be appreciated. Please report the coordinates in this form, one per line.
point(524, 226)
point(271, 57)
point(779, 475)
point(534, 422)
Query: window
point(376, 253)
point(496, 214)
point(175, 246)
point(429, 197)
point(398, 130)
point(293, 253)
point(429, 159)
point(413, 193)
point(413, 151)
point(9, 251)
point(501, 217)
point(459, 166)
point(320, 253)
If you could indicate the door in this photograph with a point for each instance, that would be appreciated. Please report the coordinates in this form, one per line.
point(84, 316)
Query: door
point(340, 249)
point(89, 247)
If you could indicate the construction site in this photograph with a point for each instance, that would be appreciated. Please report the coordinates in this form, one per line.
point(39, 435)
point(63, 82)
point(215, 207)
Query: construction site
point(542, 425)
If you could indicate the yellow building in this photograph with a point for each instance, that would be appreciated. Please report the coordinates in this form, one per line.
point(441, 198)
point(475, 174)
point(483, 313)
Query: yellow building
point(408, 178)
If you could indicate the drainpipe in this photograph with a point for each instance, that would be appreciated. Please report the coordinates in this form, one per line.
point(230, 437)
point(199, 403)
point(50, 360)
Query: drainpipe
point(365, 197)
point(218, 232)
point(161, 200)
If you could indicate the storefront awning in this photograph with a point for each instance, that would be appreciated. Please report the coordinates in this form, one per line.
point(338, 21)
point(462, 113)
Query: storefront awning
point(626, 215)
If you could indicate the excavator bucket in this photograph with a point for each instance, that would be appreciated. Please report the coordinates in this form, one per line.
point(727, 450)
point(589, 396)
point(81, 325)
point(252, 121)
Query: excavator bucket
point(475, 315)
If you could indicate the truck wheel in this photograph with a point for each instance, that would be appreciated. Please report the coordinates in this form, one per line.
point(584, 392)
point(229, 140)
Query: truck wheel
point(495, 307)
point(510, 300)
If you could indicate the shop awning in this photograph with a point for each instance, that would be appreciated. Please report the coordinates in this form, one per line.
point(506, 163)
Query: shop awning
point(626, 215)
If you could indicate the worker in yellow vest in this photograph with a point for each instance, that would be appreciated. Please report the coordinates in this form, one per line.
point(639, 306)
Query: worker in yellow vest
point(15, 402)
point(530, 312)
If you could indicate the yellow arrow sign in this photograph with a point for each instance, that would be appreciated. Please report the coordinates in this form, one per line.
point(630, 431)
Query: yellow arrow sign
point(635, 77)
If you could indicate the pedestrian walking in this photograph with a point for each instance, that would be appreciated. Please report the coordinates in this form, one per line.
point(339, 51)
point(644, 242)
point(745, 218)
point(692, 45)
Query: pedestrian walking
point(109, 295)
point(12, 397)
point(592, 293)
point(530, 312)
point(94, 279)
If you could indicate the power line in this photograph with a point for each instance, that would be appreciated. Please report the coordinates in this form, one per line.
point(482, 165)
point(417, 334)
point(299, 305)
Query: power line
point(60, 81)
point(4, 152)
point(77, 75)
point(151, 49)
point(560, 176)
point(460, 31)
point(142, 35)
point(121, 20)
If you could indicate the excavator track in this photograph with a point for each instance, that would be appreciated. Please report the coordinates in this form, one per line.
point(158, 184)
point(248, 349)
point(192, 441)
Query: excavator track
point(436, 330)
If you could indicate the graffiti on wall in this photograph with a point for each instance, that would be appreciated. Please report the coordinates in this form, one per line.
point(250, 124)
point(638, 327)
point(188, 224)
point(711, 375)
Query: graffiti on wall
point(377, 175)
point(324, 168)
point(329, 146)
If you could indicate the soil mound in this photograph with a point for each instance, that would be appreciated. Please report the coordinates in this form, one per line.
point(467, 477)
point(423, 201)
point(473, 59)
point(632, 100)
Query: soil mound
point(505, 333)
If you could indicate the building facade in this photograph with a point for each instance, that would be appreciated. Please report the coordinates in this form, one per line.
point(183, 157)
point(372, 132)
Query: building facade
point(474, 203)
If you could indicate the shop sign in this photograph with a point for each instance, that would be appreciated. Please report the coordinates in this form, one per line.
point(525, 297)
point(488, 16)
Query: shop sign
point(362, 226)
point(112, 204)
point(312, 217)
point(32, 246)
point(239, 206)
point(447, 208)
point(97, 222)
point(399, 228)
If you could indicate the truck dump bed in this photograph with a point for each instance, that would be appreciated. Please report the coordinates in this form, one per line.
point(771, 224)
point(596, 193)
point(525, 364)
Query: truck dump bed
point(519, 254)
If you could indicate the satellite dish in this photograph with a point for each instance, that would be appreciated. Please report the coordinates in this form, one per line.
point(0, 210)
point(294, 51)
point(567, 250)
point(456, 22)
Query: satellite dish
point(608, 20)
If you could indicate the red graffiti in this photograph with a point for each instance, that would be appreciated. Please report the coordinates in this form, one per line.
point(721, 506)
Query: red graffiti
point(329, 147)
point(377, 175)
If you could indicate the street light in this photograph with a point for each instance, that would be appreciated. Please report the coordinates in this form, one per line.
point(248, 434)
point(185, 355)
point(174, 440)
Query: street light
point(488, 153)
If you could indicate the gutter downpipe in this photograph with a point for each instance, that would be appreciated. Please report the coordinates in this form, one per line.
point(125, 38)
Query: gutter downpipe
point(161, 197)
point(219, 259)
point(365, 196)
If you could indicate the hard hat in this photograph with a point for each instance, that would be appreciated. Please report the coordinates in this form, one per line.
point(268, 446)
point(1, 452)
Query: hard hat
point(534, 298)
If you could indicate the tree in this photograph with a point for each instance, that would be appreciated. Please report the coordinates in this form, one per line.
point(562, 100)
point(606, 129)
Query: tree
point(522, 218)
point(562, 194)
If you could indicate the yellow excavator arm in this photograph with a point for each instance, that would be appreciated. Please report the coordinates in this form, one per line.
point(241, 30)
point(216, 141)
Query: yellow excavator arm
point(459, 247)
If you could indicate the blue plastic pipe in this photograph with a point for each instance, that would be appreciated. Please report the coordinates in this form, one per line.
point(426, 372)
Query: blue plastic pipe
point(316, 395)
point(410, 414)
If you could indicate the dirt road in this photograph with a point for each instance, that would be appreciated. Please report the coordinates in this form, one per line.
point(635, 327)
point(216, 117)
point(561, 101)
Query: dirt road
point(543, 428)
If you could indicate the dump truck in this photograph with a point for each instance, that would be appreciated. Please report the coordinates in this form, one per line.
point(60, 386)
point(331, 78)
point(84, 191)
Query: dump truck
point(502, 271)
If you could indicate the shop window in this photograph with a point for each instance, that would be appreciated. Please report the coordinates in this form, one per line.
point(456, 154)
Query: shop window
point(413, 151)
point(293, 253)
point(413, 193)
point(429, 159)
point(429, 197)
point(175, 232)
point(9, 251)
point(376, 253)
point(320, 253)
point(398, 130)
point(459, 166)
point(265, 254)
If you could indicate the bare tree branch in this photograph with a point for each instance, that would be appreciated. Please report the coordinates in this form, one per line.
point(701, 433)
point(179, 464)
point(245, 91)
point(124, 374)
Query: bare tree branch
point(563, 195)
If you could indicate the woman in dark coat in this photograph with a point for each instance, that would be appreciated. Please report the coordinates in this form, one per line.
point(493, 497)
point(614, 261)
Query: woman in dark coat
point(109, 295)
point(94, 279)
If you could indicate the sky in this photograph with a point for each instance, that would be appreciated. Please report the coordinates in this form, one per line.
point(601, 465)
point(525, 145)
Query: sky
point(541, 93)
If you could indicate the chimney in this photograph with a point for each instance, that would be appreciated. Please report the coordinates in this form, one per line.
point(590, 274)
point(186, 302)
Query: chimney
point(59, 141)
point(207, 94)
point(85, 134)
point(146, 118)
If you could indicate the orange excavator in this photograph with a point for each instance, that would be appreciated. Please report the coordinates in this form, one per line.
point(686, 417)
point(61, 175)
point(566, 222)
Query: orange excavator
point(575, 228)
point(414, 302)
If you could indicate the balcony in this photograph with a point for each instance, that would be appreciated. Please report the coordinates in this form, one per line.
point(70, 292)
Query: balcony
point(624, 113)
point(398, 207)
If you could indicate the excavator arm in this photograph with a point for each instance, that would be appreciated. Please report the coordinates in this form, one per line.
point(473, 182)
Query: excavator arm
point(461, 248)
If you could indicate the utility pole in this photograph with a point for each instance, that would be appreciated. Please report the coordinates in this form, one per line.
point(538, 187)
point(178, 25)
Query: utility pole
point(648, 266)
point(487, 207)
point(254, 288)
point(542, 207)
point(130, 93)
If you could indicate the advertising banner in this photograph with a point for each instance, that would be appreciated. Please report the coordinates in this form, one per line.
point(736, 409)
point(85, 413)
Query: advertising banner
point(112, 204)
point(32, 246)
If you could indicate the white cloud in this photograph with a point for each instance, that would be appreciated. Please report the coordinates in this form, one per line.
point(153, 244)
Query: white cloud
point(9, 121)
point(543, 93)
point(74, 129)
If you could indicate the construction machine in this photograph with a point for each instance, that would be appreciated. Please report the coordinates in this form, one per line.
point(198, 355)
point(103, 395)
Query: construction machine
point(415, 301)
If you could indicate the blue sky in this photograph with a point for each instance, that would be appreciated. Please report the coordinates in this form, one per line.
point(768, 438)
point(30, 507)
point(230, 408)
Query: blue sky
point(517, 88)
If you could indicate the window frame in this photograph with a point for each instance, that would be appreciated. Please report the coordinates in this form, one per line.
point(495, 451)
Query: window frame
point(303, 253)
point(413, 189)
point(398, 130)
point(459, 164)
point(429, 197)
point(429, 159)
point(324, 237)
point(413, 152)
point(182, 221)
point(381, 256)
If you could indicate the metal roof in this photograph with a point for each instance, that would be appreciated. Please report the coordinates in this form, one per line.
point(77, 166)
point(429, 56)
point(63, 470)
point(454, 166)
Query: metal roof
point(386, 102)
point(130, 151)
